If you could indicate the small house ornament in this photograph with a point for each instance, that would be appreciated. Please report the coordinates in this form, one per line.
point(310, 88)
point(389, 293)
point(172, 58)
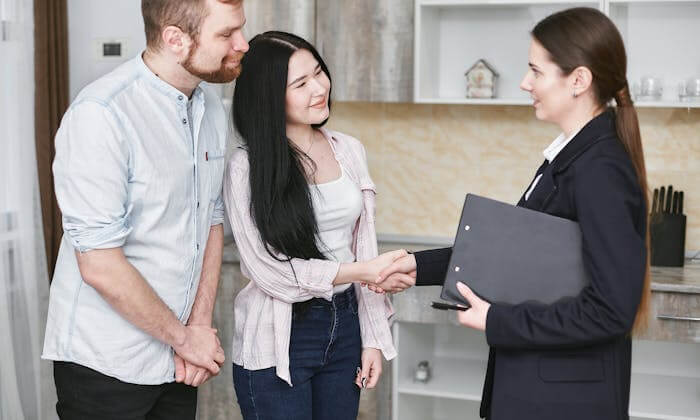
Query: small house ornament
point(481, 80)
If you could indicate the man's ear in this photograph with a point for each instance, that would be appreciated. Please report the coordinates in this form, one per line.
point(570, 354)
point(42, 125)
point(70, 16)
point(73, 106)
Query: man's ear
point(177, 42)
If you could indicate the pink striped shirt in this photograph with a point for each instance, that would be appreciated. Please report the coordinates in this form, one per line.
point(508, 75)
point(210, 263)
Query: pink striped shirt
point(263, 309)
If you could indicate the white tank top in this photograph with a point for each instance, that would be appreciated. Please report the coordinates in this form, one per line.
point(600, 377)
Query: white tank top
point(337, 205)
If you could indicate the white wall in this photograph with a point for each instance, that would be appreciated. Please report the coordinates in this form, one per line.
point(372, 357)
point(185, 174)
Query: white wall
point(90, 21)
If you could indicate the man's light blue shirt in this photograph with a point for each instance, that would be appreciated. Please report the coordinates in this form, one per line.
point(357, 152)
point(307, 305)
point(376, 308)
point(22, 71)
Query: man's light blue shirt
point(133, 170)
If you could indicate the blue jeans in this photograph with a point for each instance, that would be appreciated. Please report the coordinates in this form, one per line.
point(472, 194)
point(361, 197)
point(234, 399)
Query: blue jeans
point(325, 351)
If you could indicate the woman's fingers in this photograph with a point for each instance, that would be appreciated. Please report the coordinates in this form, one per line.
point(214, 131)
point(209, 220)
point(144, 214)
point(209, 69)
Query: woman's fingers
point(375, 371)
point(465, 291)
point(474, 317)
point(362, 375)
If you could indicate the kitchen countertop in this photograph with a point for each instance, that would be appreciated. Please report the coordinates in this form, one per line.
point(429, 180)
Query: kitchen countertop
point(676, 279)
point(663, 279)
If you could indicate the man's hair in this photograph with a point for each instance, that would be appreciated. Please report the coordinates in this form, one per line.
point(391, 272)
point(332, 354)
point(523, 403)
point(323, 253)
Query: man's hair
point(185, 14)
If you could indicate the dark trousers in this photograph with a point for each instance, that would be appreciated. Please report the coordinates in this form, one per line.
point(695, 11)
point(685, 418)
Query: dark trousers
point(85, 394)
point(325, 351)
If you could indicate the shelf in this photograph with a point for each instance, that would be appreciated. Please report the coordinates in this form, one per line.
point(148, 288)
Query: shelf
point(666, 104)
point(665, 397)
point(528, 102)
point(471, 101)
point(454, 378)
point(415, 407)
point(652, 397)
point(451, 35)
point(652, 1)
point(455, 3)
point(659, 38)
point(665, 382)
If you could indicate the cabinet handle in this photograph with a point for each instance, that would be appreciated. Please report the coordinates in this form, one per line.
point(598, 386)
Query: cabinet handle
point(678, 318)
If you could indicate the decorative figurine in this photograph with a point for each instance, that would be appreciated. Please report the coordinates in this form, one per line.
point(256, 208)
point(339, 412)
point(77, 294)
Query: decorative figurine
point(422, 373)
point(481, 80)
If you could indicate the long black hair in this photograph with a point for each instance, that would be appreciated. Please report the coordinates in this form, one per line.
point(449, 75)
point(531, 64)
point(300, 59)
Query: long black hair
point(280, 199)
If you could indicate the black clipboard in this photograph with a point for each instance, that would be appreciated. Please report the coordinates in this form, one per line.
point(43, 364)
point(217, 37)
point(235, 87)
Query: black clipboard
point(510, 254)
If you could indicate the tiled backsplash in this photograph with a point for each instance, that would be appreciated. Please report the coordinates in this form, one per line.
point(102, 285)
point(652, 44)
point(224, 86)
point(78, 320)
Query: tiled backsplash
point(425, 158)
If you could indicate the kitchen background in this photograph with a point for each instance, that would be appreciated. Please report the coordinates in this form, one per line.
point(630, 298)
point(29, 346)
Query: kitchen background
point(424, 157)
point(428, 146)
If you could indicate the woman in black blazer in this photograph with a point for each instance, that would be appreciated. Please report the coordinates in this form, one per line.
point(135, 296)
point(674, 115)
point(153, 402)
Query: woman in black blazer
point(570, 359)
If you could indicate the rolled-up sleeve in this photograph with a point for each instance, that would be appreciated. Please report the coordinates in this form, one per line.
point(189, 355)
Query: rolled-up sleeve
point(91, 171)
point(217, 216)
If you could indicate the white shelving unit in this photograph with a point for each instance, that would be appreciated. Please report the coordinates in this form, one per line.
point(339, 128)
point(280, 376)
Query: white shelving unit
point(450, 35)
point(661, 40)
point(665, 375)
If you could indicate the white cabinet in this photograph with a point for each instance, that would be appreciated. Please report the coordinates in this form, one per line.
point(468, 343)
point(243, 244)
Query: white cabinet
point(450, 35)
point(661, 38)
point(665, 375)
point(457, 357)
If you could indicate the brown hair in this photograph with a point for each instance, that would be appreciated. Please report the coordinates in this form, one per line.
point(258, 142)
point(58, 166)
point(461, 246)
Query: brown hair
point(584, 36)
point(185, 14)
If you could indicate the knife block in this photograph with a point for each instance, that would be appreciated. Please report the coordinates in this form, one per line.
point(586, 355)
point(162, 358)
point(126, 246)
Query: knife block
point(667, 239)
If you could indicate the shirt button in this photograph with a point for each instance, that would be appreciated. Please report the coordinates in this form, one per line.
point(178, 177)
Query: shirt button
point(197, 247)
point(184, 120)
point(197, 204)
point(179, 97)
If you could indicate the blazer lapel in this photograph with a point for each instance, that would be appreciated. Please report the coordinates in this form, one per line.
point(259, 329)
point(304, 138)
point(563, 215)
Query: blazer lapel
point(599, 128)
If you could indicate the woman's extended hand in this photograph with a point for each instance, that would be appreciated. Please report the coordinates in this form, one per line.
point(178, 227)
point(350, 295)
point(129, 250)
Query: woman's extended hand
point(397, 277)
point(474, 317)
point(376, 265)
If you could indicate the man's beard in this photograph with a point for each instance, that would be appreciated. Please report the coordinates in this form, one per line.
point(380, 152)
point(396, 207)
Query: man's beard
point(224, 74)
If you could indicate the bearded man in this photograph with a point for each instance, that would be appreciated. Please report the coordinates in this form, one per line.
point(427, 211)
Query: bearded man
point(138, 172)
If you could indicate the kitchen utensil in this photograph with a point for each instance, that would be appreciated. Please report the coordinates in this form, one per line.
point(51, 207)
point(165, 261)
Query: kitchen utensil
point(674, 206)
point(667, 228)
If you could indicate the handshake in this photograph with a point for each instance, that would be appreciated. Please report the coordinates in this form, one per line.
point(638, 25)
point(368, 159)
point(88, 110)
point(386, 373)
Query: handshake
point(393, 272)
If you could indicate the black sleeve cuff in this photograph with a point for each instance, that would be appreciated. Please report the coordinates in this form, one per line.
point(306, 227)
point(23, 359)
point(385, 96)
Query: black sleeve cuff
point(431, 266)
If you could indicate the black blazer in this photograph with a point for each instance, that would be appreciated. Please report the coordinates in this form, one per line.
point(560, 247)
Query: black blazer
point(571, 359)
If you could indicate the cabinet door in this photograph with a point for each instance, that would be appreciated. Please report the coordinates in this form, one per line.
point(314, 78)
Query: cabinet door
point(295, 16)
point(368, 46)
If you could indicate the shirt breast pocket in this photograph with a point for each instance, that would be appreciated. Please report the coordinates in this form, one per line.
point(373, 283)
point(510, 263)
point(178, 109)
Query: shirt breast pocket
point(215, 165)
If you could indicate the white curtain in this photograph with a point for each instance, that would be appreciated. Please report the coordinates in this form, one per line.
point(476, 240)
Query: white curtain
point(26, 384)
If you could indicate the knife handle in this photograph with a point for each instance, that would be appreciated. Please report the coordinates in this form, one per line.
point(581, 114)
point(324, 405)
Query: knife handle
point(669, 198)
point(662, 201)
point(680, 202)
point(654, 201)
point(674, 209)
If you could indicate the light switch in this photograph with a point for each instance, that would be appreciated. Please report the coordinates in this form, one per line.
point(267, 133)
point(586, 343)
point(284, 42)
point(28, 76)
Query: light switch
point(111, 49)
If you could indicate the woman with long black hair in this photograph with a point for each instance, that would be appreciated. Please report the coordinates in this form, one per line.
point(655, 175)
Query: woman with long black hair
point(300, 200)
point(570, 359)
